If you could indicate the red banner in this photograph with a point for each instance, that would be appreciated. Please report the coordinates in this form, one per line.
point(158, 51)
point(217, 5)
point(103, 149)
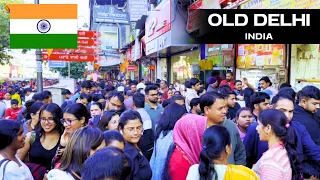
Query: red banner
point(88, 42)
point(88, 34)
point(71, 57)
point(75, 51)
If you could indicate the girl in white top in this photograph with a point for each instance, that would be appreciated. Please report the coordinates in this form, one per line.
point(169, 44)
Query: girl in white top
point(12, 138)
point(214, 159)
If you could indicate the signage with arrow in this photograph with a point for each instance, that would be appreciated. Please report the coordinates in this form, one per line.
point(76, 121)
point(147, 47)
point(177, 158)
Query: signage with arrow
point(75, 51)
point(88, 34)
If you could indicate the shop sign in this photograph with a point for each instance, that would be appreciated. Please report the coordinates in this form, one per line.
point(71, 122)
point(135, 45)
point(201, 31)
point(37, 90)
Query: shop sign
point(164, 41)
point(129, 54)
point(194, 19)
point(137, 8)
point(151, 47)
point(131, 68)
point(110, 14)
point(159, 21)
point(213, 49)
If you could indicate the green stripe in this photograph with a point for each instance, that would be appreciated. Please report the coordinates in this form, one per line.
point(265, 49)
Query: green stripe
point(43, 41)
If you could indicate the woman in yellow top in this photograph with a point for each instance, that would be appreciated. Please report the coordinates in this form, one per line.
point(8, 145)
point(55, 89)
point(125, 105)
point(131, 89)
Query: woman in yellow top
point(214, 159)
point(16, 95)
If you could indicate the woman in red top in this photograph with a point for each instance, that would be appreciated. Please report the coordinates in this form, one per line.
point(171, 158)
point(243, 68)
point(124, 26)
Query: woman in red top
point(185, 151)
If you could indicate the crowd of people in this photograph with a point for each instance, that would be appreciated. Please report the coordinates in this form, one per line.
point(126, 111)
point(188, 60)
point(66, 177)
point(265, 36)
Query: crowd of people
point(141, 130)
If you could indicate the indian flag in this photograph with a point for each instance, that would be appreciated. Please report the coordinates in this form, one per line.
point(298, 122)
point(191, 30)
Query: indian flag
point(43, 26)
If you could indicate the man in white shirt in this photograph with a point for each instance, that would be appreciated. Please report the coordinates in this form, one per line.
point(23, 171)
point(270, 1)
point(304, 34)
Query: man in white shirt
point(29, 94)
point(192, 92)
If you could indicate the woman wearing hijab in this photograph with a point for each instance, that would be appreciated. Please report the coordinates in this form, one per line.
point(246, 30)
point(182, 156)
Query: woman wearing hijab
point(185, 151)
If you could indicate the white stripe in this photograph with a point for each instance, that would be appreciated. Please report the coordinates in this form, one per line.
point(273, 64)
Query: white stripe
point(29, 26)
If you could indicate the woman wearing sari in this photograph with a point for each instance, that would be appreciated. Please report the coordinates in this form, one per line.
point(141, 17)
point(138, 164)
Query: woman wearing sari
point(214, 159)
point(185, 150)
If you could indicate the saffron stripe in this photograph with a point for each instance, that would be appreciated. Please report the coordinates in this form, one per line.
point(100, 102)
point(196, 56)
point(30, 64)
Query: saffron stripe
point(43, 11)
point(43, 41)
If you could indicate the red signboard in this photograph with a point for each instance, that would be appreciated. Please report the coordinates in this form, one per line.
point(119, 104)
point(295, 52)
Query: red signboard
point(88, 34)
point(194, 16)
point(129, 54)
point(71, 57)
point(131, 68)
point(159, 21)
point(75, 51)
point(88, 42)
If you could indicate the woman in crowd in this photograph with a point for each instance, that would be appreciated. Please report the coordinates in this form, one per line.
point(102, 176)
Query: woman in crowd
point(12, 138)
point(185, 151)
point(41, 144)
point(96, 109)
point(33, 112)
point(114, 138)
point(170, 92)
point(243, 119)
point(7, 100)
point(281, 161)
point(109, 121)
point(214, 159)
point(108, 163)
point(131, 128)
point(82, 144)
point(163, 137)
point(75, 116)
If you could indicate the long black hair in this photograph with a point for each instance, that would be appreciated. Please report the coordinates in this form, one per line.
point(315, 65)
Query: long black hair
point(278, 122)
point(56, 112)
point(247, 92)
point(171, 114)
point(214, 140)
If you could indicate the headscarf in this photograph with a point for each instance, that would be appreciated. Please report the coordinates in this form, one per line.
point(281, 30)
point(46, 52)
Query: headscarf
point(187, 135)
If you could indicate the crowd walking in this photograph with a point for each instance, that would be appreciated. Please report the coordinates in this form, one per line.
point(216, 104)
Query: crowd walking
point(132, 130)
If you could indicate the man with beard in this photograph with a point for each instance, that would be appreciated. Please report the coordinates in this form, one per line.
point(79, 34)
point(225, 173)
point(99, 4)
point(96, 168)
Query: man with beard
point(153, 108)
point(259, 101)
point(229, 80)
point(115, 101)
point(195, 106)
point(308, 151)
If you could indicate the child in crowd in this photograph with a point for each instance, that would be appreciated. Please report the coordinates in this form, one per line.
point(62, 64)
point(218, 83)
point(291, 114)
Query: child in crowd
point(12, 113)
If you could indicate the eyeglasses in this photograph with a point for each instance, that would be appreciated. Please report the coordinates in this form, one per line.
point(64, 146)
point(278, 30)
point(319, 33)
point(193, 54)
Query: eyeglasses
point(133, 129)
point(50, 120)
point(68, 121)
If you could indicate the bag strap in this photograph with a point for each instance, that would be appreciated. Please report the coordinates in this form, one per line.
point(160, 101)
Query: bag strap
point(6, 161)
point(32, 138)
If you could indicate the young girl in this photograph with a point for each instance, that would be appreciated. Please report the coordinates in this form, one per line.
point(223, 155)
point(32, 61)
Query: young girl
point(281, 160)
point(214, 159)
point(243, 119)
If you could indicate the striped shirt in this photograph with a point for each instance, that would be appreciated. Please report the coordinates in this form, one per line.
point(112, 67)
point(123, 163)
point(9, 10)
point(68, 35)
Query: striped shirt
point(274, 164)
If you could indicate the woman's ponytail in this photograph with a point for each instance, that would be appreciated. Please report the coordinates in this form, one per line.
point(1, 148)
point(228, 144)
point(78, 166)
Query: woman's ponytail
point(290, 143)
point(206, 168)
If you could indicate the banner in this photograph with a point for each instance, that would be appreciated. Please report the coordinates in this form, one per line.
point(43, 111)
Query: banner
point(281, 4)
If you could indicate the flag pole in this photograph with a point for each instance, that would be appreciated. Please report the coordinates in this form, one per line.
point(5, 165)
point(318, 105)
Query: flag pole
point(39, 65)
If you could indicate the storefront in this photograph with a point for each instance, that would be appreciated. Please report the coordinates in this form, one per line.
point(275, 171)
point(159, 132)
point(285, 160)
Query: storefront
point(169, 43)
point(219, 59)
point(305, 65)
point(254, 61)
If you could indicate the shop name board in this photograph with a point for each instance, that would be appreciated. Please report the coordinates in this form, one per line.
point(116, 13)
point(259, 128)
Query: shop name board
point(110, 14)
point(159, 21)
point(252, 26)
point(137, 8)
point(161, 42)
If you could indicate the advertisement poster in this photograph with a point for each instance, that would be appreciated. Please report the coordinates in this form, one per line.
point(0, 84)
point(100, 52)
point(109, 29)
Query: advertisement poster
point(281, 4)
point(109, 37)
point(258, 55)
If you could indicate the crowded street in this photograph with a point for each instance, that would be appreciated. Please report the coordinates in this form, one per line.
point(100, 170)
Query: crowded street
point(122, 90)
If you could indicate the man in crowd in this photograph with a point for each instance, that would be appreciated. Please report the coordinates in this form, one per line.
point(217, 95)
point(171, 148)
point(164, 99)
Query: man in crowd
point(230, 96)
point(266, 85)
point(308, 151)
point(195, 106)
point(305, 112)
point(66, 94)
point(133, 87)
point(212, 84)
point(229, 80)
point(147, 141)
point(259, 101)
point(115, 101)
point(214, 107)
point(28, 94)
point(153, 108)
point(129, 100)
point(238, 90)
point(85, 88)
point(192, 92)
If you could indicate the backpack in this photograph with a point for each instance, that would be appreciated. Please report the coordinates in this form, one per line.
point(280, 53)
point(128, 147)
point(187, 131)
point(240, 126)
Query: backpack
point(5, 161)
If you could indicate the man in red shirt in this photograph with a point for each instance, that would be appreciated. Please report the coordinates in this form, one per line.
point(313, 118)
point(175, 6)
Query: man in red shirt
point(12, 113)
point(229, 80)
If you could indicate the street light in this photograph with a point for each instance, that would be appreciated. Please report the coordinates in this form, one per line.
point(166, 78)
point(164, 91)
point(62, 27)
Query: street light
point(85, 25)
